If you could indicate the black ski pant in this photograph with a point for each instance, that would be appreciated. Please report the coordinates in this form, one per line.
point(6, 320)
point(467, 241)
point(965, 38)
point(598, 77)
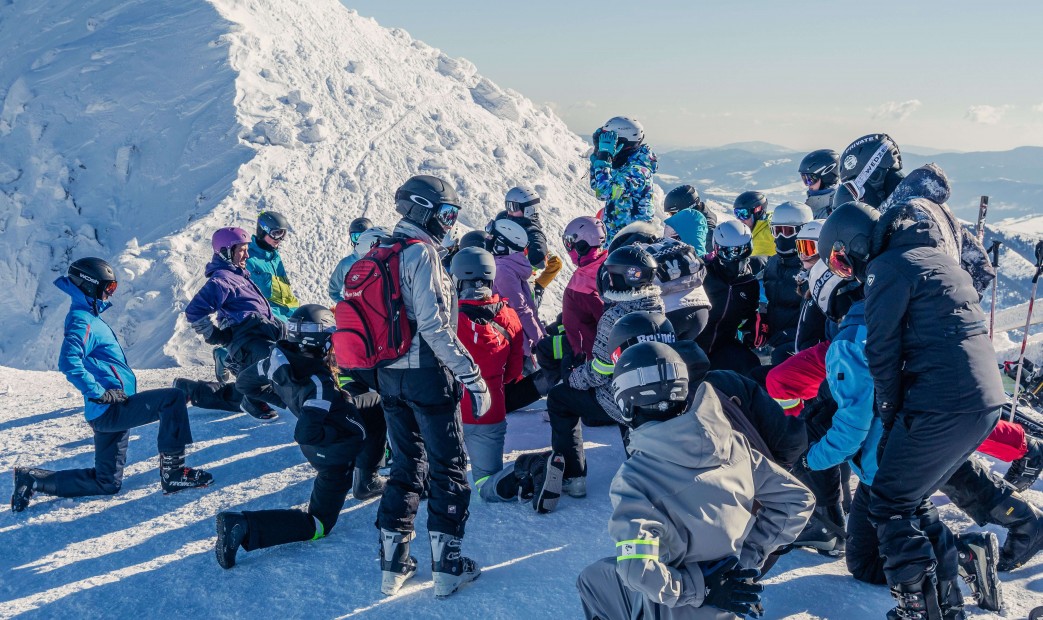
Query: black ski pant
point(244, 352)
point(335, 464)
point(111, 434)
point(568, 407)
point(923, 450)
point(521, 393)
point(688, 322)
point(422, 408)
point(733, 355)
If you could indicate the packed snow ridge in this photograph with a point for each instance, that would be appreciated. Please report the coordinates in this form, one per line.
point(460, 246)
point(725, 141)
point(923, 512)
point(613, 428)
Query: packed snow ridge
point(132, 130)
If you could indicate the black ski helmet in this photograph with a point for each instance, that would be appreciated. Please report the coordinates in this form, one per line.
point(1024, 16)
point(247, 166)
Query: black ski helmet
point(640, 231)
point(474, 239)
point(639, 327)
point(823, 164)
point(865, 165)
point(270, 223)
point(311, 327)
point(93, 276)
point(845, 241)
point(682, 197)
point(430, 203)
point(751, 204)
point(650, 382)
point(629, 268)
point(473, 268)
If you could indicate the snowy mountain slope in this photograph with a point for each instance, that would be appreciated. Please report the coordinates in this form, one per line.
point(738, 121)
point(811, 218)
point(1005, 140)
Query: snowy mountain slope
point(140, 554)
point(132, 130)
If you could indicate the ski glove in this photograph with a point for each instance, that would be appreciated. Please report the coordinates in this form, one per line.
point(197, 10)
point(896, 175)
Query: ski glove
point(478, 391)
point(800, 469)
point(212, 334)
point(549, 272)
point(110, 397)
point(607, 145)
point(729, 588)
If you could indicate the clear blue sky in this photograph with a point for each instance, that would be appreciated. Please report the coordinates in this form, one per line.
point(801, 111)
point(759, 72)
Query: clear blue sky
point(955, 75)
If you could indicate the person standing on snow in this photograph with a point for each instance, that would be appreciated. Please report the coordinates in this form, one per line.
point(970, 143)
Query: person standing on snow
point(733, 291)
point(621, 170)
point(93, 361)
point(778, 324)
point(751, 208)
point(689, 542)
point(265, 264)
point(362, 235)
point(819, 171)
point(421, 400)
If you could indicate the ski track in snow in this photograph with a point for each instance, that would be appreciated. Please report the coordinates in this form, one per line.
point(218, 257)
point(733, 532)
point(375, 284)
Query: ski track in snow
point(142, 554)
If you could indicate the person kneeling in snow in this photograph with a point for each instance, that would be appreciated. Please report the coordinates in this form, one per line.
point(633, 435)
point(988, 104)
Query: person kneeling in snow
point(92, 360)
point(688, 544)
point(338, 435)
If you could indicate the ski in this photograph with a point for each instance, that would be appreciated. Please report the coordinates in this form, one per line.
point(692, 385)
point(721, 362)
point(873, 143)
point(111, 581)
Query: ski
point(1028, 323)
point(994, 253)
point(1028, 418)
point(983, 210)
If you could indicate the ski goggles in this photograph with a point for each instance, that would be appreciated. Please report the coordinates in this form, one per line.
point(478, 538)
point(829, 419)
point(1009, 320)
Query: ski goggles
point(109, 287)
point(743, 214)
point(277, 233)
point(354, 237)
point(734, 253)
point(807, 248)
point(809, 179)
point(520, 207)
point(447, 215)
point(784, 230)
point(840, 263)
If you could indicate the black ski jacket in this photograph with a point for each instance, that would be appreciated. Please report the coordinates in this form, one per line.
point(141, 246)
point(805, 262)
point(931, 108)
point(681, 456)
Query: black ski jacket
point(784, 302)
point(927, 341)
point(733, 302)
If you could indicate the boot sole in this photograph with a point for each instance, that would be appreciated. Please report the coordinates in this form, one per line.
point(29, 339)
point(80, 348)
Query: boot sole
point(987, 570)
point(446, 585)
point(179, 489)
point(222, 560)
point(547, 499)
point(391, 583)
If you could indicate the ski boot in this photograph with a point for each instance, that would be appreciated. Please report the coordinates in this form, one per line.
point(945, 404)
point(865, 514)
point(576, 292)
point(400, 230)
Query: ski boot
point(221, 371)
point(231, 532)
point(574, 487)
point(825, 532)
point(367, 484)
point(450, 569)
point(1024, 472)
point(396, 565)
point(1024, 523)
point(917, 600)
point(174, 476)
point(547, 483)
point(950, 599)
point(26, 483)
point(187, 386)
point(258, 409)
point(978, 554)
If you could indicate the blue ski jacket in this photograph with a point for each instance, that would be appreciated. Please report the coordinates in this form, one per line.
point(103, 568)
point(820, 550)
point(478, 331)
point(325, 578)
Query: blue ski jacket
point(269, 274)
point(91, 358)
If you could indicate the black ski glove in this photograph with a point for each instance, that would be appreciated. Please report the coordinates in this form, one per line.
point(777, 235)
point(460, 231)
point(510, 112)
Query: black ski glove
point(800, 469)
point(729, 588)
point(110, 397)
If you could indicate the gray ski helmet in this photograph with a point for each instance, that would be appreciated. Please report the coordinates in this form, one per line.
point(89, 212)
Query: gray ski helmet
point(821, 165)
point(682, 197)
point(474, 239)
point(638, 327)
point(523, 199)
point(583, 233)
point(358, 226)
point(627, 129)
point(640, 231)
point(845, 241)
point(473, 268)
point(791, 214)
point(629, 268)
point(430, 203)
point(732, 241)
point(273, 224)
point(649, 383)
point(864, 164)
point(508, 237)
point(93, 276)
point(750, 204)
point(311, 326)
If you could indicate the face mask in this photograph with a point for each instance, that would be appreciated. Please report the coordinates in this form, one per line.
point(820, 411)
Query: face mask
point(786, 245)
point(574, 257)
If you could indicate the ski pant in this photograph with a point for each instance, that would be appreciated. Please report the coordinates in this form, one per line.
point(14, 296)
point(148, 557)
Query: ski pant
point(730, 354)
point(111, 434)
point(555, 357)
point(567, 407)
point(485, 448)
point(827, 483)
point(923, 450)
point(227, 397)
point(688, 322)
point(604, 596)
point(521, 393)
point(798, 378)
point(335, 465)
point(422, 408)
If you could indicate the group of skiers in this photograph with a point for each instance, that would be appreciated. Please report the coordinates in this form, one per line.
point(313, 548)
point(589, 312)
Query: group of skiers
point(750, 364)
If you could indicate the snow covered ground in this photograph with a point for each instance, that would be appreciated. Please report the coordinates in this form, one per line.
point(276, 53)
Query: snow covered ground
point(142, 554)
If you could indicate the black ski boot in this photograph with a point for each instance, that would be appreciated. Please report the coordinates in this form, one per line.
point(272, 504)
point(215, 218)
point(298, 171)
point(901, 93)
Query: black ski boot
point(1024, 472)
point(231, 532)
point(917, 600)
point(187, 386)
point(951, 600)
point(174, 476)
point(396, 565)
point(450, 569)
point(825, 532)
point(1024, 523)
point(978, 555)
point(258, 409)
point(546, 482)
point(367, 484)
point(25, 485)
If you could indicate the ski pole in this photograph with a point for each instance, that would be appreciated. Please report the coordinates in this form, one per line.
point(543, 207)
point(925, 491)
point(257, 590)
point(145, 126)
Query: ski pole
point(983, 209)
point(1028, 322)
point(994, 252)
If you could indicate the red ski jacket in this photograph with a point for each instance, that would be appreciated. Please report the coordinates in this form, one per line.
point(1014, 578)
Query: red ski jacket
point(492, 333)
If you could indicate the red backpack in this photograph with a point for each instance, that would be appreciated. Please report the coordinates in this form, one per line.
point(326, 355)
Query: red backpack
point(373, 329)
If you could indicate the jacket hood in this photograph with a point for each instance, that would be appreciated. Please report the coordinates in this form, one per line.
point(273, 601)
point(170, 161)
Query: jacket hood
point(637, 294)
point(484, 309)
point(937, 226)
point(928, 182)
point(700, 438)
point(218, 263)
point(80, 301)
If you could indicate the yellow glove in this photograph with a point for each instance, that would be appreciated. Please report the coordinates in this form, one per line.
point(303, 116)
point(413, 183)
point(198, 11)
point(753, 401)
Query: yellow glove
point(551, 270)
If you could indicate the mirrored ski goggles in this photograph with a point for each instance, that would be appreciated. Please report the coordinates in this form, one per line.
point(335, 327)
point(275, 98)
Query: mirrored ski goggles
point(110, 287)
point(809, 178)
point(784, 230)
point(515, 207)
point(840, 263)
point(734, 253)
point(447, 214)
point(743, 214)
point(807, 248)
point(354, 237)
point(277, 233)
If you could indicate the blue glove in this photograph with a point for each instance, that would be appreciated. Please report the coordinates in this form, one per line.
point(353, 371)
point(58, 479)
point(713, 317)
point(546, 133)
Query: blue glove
point(608, 144)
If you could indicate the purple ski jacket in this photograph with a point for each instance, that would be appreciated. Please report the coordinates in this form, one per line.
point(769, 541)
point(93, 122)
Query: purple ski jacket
point(512, 283)
point(230, 293)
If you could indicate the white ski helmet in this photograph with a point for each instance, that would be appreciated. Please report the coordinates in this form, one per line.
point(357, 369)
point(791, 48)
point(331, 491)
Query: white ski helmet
point(508, 237)
point(626, 128)
point(522, 199)
point(807, 239)
point(732, 240)
point(368, 239)
point(791, 214)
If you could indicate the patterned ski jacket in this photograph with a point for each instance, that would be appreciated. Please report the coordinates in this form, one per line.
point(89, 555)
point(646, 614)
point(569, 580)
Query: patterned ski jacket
point(626, 188)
